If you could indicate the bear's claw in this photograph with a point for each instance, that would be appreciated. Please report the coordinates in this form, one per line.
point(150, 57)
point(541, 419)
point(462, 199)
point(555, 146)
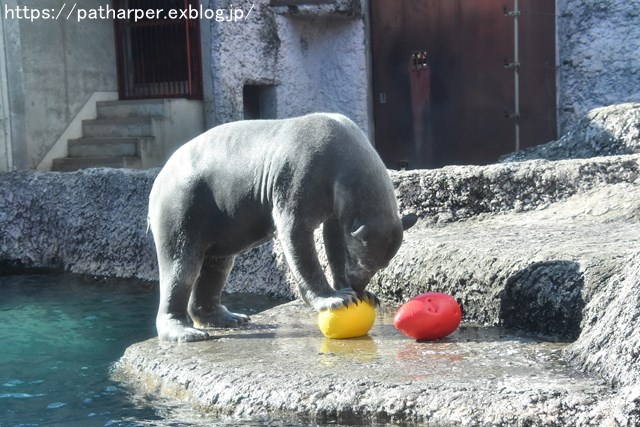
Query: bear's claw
point(369, 297)
point(343, 298)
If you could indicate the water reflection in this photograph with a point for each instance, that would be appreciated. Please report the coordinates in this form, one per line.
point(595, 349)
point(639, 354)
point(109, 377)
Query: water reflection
point(334, 352)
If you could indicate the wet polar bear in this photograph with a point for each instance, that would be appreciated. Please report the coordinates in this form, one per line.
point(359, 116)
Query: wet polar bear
point(242, 183)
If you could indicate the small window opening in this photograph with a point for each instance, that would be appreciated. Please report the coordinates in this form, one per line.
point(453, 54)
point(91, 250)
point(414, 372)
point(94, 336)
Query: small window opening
point(259, 102)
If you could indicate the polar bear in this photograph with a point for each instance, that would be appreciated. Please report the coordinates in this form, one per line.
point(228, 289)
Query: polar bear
point(242, 183)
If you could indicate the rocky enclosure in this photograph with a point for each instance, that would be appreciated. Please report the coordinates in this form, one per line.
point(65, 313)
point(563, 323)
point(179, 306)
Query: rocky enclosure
point(548, 247)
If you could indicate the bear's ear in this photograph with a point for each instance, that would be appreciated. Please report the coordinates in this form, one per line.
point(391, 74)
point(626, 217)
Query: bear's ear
point(408, 221)
point(361, 233)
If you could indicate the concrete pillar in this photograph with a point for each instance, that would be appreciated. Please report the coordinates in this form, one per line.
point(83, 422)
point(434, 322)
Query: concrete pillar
point(12, 88)
point(6, 158)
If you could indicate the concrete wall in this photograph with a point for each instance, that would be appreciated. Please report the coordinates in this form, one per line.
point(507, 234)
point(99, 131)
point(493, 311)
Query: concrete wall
point(13, 99)
point(325, 64)
point(5, 123)
point(598, 56)
point(53, 67)
point(314, 59)
point(183, 120)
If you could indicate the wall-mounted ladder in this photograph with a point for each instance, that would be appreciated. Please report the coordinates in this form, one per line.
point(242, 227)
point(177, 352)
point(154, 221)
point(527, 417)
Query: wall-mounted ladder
point(515, 65)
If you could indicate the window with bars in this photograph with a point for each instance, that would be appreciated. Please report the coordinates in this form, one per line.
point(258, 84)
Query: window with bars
point(158, 57)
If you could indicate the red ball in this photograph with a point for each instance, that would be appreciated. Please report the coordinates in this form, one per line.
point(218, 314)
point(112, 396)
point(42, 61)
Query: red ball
point(429, 316)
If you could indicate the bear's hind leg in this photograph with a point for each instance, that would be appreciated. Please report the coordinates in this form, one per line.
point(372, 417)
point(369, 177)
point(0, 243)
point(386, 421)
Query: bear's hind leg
point(176, 282)
point(204, 305)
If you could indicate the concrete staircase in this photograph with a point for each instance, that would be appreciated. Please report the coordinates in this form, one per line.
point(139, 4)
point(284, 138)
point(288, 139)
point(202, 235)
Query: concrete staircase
point(115, 138)
point(133, 134)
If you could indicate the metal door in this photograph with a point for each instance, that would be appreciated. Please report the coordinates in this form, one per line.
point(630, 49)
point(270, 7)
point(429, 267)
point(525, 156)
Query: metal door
point(158, 57)
point(443, 79)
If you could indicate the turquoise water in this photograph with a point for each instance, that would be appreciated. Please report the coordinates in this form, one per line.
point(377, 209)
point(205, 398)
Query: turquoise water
point(59, 336)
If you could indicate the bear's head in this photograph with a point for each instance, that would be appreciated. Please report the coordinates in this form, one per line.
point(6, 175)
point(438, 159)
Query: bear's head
point(371, 246)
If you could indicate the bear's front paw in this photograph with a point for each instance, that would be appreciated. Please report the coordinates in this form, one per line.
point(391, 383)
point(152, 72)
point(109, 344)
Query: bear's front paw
point(340, 298)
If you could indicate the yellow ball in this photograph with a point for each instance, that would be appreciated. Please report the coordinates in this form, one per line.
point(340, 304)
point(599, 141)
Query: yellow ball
point(347, 322)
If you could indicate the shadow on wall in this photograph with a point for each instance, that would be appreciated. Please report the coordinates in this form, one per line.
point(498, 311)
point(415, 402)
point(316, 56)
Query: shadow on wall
point(545, 298)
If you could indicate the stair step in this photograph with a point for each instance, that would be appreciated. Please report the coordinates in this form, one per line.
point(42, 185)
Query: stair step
point(114, 138)
point(68, 164)
point(104, 147)
point(127, 109)
point(109, 128)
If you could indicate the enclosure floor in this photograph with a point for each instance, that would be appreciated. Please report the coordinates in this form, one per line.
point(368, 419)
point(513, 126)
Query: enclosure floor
point(281, 367)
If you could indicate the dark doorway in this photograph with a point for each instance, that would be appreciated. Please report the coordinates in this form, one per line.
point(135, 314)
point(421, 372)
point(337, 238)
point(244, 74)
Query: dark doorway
point(443, 79)
point(158, 57)
point(259, 101)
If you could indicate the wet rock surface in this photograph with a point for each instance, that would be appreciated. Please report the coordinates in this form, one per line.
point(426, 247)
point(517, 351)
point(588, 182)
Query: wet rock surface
point(280, 366)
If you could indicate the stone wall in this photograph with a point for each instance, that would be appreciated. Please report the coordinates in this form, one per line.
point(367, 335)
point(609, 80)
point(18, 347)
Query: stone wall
point(456, 193)
point(91, 222)
point(611, 329)
point(94, 222)
point(308, 61)
point(317, 60)
point(64, 220)
point(598, 62)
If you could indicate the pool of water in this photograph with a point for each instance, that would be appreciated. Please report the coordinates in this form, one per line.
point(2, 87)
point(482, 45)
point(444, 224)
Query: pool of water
point(59, 336)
